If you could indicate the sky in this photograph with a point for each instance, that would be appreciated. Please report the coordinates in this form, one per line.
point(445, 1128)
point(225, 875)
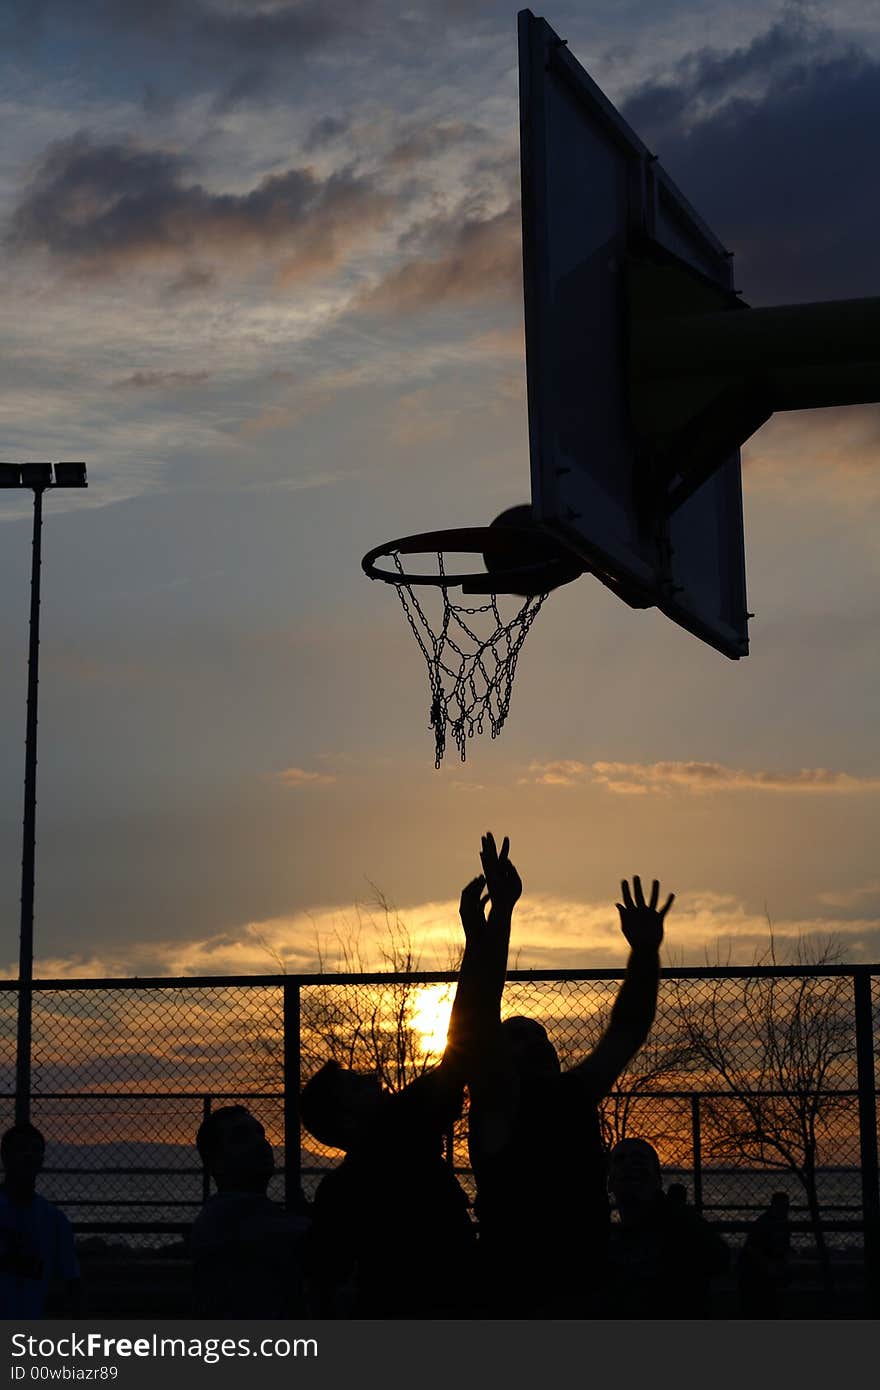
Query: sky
point(262, 271)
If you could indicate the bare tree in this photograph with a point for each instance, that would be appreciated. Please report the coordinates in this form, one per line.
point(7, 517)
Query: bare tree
point(656, 1067)
point(367, 1027)
point(781, 1046)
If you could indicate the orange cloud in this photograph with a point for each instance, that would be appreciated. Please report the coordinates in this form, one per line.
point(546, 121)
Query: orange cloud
point(467, 259)
point(550, 931)
point(299, 777)
point(638, 779)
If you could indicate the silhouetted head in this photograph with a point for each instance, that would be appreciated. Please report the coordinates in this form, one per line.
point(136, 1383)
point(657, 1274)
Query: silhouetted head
point(337, 1104)
point(676, 1193)
point(22, 1150)
point(779, 1204)
point(532, 1051)
point(233, 1147)
point(634, 1173)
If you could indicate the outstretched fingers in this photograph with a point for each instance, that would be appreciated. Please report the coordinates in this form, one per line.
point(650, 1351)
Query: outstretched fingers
point(474, 888)
point(488, 853)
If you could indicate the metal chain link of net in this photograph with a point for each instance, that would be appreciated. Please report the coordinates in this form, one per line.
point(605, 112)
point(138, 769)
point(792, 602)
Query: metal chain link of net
point(471, 676)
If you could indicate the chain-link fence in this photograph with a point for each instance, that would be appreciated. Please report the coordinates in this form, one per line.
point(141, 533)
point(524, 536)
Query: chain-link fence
point(752, 1080)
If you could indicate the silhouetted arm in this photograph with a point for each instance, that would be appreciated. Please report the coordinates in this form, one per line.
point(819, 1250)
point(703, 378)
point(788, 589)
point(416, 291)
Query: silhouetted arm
point(491, 1077)
point(633, 1010)
point(474, 1053)
point(476, 1011)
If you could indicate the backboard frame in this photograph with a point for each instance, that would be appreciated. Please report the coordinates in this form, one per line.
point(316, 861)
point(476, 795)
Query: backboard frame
point(598, 484)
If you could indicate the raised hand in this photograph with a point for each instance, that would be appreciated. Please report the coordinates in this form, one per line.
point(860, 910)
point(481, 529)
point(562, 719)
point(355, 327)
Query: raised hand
point(471, 907)
point(503, 883)
point(641, 922)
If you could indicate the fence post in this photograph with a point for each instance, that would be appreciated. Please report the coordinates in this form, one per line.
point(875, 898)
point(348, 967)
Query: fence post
point(206, 1176)
point(291, 1080)
point(698, 1153)
point(868, 1132)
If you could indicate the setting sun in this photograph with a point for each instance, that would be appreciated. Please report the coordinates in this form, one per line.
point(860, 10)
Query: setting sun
point(430, 1017)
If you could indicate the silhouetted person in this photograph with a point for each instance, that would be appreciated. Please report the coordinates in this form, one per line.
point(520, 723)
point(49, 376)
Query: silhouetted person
point(676, 1194)
point(762, 1268)
point(663, 1254)
point(392, 1228)
point(248, 1253)
point(39, 1270)
point(535, 1142)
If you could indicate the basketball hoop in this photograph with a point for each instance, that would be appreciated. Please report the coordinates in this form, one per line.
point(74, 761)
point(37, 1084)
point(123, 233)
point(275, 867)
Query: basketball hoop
point(471, 651)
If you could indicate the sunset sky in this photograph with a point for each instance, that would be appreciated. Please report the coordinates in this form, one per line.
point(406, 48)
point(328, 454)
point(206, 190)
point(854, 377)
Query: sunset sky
point(262, 272)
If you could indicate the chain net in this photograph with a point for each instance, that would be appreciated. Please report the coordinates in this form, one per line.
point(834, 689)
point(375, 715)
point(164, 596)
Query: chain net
point(471, 660)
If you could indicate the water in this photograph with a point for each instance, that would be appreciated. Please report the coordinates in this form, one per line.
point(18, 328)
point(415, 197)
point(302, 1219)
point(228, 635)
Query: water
point(171, 1191)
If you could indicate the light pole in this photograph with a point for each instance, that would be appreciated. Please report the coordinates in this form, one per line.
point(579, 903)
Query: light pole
point(39, 478)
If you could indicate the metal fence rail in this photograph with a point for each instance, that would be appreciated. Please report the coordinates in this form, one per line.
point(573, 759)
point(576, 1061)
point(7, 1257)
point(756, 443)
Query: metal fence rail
point(124, 1070)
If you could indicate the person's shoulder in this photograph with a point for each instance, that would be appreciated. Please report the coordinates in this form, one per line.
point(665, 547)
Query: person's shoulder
point(685, 1217)
point(48, 1211)
point(49, 1217)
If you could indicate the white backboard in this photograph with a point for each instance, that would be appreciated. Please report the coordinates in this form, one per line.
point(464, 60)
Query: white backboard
point(591, 193)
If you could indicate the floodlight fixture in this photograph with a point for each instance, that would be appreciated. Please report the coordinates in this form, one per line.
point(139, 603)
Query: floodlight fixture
point(36, 474)
point(70, 474)
point(10, 475)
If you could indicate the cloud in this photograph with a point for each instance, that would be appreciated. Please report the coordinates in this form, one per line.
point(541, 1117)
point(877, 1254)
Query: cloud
point(299, 777)
point(551, 932)
point(563, 773)
point(853, 897)
point(242, 49)
point(638, 779)
point(423, 142)
point(325, 130)
point(750, 134)
point(104, 207)
point(501, 342)
point(193, 279)
point(163, 381)
point(824, 455)
point(467, 258)
point(707, 79)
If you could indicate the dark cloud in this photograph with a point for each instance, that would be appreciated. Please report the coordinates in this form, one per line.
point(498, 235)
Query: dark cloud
point(240, 51)
point(102, 207)
point(162, 381)
point(240, 48)
point(707, 77)
point(774, 145)
point(245, 29)
point(467, 258)
point(325, 131)
point(193, 279)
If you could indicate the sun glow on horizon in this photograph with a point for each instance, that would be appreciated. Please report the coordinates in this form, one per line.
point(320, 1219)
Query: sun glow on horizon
point(430, 1017)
